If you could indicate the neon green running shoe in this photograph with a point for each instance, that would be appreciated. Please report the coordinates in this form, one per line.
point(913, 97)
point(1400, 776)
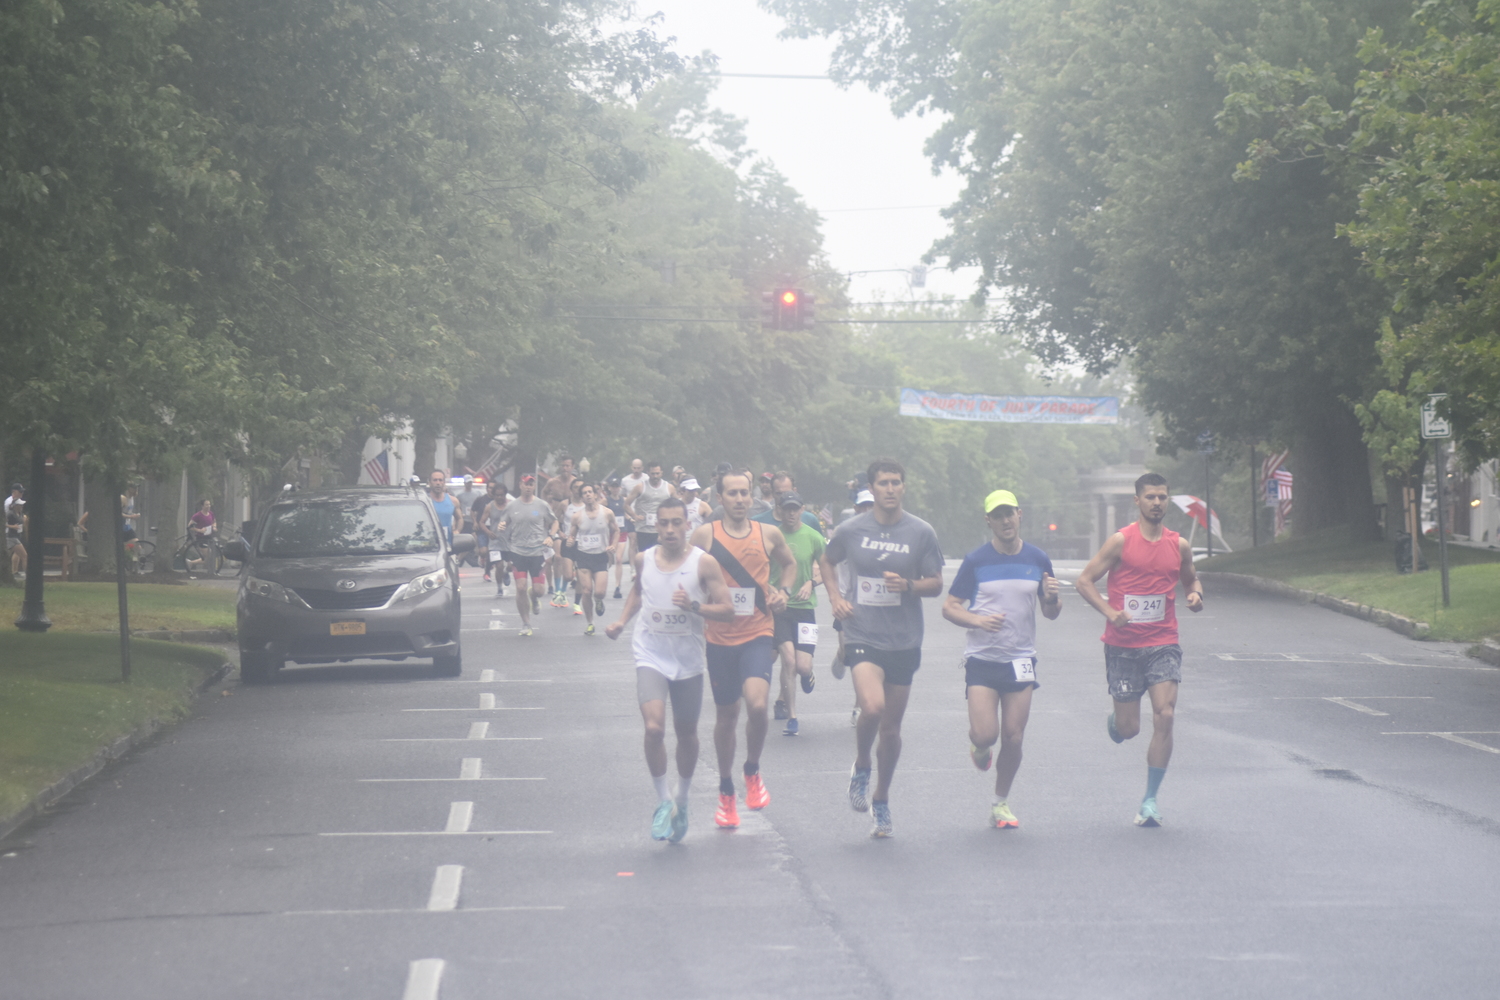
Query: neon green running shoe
point(981, 757)
point(1002, 817)
point(1148, 816)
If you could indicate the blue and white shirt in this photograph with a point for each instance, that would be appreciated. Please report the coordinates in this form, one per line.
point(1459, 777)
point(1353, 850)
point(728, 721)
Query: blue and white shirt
point(994, 583)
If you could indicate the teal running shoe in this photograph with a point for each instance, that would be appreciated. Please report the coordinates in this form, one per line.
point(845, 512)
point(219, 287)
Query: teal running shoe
point(859, 789)
point(661, 823)
point(679, 823)
point(881, 829)
point(1114, 733)
point(1148, 816)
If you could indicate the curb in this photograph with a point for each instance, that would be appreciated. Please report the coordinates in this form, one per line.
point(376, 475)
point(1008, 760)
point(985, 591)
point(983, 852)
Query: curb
point(1487, 651)
point(119, 748)
point(1386, 619)
point(190, 635)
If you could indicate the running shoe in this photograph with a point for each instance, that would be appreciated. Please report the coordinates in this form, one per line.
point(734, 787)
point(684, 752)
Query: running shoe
point(559, 601)
point(536, 604)
point(617, 593)
point(881, 828)
point(589, 630)
point(1114, 733)
point(679, 823)
point(981, 757)
point(727, 816)
point(809, 681)
point(859, 789)
point(854, 716)
point(578, 609)
point(756, 796)
point(661, 823)
point(1148, 816)
point(1002, 817)
point(598, 605)
point(525, 630)
point(779, 710)
point(486, 576)
point(791, 728)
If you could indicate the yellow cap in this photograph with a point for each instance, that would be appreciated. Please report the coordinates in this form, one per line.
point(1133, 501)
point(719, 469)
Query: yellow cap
point(1000, 498)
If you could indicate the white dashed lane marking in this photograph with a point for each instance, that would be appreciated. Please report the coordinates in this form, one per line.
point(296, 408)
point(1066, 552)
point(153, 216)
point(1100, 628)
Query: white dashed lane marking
point(445, 888)
point(1458, 737)
point(423, 979)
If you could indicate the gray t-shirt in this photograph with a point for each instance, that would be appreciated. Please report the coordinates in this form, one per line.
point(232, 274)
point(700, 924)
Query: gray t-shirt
point(526, 525)
point(870, 550)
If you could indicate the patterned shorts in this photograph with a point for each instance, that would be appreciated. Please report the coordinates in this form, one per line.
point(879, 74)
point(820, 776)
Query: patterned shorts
point(1131, 670)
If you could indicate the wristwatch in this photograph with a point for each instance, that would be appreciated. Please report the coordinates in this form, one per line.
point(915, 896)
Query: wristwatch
point(694, 607)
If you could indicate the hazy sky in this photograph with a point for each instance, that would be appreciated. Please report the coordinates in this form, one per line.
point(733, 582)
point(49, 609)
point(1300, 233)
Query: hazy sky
point(852, 159)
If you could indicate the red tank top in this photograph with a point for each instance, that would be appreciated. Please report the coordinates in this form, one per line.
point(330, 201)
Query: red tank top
point(748, 594)
point(1144, 583)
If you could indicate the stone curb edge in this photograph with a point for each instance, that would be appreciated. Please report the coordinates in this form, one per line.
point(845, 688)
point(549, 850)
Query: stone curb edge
point(1396, 623)
point(116, 750)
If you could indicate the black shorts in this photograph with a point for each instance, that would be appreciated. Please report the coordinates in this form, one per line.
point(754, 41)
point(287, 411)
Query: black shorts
point(128, 534)
point(791, 626)
point(644, 540)
point(570, 552)
point(729, 667)
point(527, 565)
point(900, 665)
point(593, 562)
point(999, 675)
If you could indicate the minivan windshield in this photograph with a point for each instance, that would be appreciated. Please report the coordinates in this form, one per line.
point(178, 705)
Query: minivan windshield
point(347, 528)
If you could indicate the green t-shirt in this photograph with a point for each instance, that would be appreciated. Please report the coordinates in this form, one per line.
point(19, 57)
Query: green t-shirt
point(807, 546)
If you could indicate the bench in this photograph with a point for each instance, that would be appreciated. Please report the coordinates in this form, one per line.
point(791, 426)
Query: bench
point(58, 552)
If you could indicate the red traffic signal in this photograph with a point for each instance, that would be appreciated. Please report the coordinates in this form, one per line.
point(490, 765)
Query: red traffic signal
point(787, 309)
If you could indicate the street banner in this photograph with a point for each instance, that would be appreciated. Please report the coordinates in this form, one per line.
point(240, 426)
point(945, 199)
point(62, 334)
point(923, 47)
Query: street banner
point(1010, 409)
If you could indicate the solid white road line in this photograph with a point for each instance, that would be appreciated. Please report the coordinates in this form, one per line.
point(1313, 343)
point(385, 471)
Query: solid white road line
point(460, 815)
point(460, 739)
point(397, 913)
point(423, 977)
point(1293, 660)
point(1454, 737)
point(1366, 709)
point(407, 781)
point(445, 887)
point(487, 700)
point(494, 708)
point(470, 768)
point(436, 833)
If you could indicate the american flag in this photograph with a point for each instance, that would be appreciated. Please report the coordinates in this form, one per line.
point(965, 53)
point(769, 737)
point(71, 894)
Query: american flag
point(379, 469)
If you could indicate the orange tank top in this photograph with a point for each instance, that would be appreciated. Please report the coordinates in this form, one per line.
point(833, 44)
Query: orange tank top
point(747, 573)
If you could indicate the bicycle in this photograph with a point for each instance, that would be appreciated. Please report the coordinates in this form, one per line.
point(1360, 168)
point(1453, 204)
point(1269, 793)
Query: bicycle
point(187, 548)
point(141, 554)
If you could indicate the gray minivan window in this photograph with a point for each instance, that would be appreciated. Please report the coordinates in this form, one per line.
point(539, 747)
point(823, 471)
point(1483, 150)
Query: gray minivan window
point(347, 528)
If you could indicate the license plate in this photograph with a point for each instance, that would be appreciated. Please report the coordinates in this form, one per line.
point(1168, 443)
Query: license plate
point(346, 628)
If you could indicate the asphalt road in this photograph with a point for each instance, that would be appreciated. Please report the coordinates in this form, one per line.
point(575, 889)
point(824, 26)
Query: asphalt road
point(1332, 819)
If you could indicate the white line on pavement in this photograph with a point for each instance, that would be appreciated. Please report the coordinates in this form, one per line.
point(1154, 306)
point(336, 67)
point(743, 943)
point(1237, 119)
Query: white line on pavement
point(401, 781)
point(460, 815)
point(461, 739)
point(445, 887)
point(487, 700)
point(1454, 737)
point(477, 730)
point(495, 708)
point(401, 913)
point(1366, 709)
point(486, 676)
point(470, 768)
point(423, 977)
point(494, 626)
point(438, 833)
point(1297, 661)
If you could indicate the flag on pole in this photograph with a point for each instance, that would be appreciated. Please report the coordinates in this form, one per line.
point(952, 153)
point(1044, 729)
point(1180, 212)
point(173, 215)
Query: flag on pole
point(379, 469)
point(1198, 511)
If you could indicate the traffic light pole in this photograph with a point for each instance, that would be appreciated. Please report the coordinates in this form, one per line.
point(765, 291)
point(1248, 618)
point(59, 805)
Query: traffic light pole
point(1442, 514)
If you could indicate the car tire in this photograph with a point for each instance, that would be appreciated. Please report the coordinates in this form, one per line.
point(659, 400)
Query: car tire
point(257, 666)
point(448, 666)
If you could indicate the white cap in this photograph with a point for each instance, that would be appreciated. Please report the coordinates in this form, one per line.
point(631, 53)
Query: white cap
point(690, 484)
point(863, 496)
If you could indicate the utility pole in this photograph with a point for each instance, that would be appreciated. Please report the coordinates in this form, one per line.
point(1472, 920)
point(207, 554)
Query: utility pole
point(1254, 504)
point(1438, 429)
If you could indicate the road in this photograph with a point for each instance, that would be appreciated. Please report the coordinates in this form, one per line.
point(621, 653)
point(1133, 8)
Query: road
point(1332, 819)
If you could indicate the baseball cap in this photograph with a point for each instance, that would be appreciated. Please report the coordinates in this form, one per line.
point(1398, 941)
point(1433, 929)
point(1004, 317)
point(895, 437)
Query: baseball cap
point(722, 468)
point(768, 476)
point(863, 496)
point(1000, 498)
point(789, 499)
point(614, 480)
point(689, 484)
point(528, 478)
point(17, 486)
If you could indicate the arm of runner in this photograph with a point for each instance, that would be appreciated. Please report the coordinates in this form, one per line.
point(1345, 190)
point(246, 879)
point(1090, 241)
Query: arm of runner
point(703, 538)
point(573, 530)
point(924, 586)
point(956, 611)
point(780, 552)
point(630, 502)
point(1051, 594)
point(632, 603)
point(720, 607)
point(841, 608)
point(1104, 560)
point(1189, 577)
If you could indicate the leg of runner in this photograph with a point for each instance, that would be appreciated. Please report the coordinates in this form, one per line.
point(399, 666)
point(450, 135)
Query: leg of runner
point(654, 715)
point(523, 599)
point(881, 709)
point(1015, 709)
point(601, 583)
point(756, 693)
point(726, 722)
point(586, 596)
point(984, 724)
point(787, 700)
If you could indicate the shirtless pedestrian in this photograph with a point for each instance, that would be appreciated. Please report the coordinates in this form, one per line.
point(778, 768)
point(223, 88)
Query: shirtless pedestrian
point(741, 652)
point(995, 595)
point(676, 587)
point(1145, 561)
point(894, 561)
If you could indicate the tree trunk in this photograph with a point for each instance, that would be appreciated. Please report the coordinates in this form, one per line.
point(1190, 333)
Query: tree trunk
point(1332, 468)
point(424, 448)
point(351, 456)
point(102, 526)
point(168, 515)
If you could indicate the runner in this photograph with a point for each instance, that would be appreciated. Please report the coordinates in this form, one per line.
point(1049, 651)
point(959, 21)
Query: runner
point(634, 478)
point(782, 483)
point(864, 502)
point(569, 556)
point(450, 514)
point(765, 502)
point(591, 534)
point(894, 560)
point(678, 586)
point(475, 516)
point(1144, 561)
point(995, 595)
point(558, 491)
point(698, 510)
point(797, 626)
point(741, 649)
point(489, 511)
point(641, 504)
point(529, 528)
point(621, 554)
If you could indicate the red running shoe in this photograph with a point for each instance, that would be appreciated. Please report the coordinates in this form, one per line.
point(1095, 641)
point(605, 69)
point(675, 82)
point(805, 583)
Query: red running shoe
point(756, 796)
point(727, 816)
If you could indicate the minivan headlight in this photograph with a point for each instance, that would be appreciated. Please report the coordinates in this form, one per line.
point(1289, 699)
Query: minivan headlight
point(270, 591)
point(424, 584)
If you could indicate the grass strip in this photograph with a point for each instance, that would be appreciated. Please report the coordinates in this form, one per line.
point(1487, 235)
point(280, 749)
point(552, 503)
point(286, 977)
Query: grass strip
point(1331, 562)
point(93, 607)
point(62, 701)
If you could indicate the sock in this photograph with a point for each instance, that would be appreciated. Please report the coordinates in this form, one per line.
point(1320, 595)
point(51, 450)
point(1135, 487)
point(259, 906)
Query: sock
point(684, 784)
point(1153, 780)
point(726, 786)
point(751, 769)
point(660, 781)
point(999, 801)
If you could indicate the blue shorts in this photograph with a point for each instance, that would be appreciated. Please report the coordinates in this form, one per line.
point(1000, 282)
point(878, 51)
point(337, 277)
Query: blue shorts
point(729, 667)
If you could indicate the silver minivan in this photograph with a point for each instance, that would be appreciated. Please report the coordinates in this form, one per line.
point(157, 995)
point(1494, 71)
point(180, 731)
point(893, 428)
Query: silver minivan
point(331, 576)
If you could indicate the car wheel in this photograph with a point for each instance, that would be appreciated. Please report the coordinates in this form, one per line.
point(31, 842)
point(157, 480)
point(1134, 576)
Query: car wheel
point(448, 666)
point(257, 666)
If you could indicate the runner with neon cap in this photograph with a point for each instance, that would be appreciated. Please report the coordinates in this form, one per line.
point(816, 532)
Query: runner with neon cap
point(995, 596)
point(1145, 562)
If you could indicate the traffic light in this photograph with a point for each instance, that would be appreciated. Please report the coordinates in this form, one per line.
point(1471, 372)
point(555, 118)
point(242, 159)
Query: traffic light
point(786, 309)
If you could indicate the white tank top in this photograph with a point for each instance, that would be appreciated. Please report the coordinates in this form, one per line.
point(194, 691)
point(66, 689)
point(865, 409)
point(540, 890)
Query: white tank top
point(593, 532)
point(669, 639)
point(646, 504)
point(697, 511)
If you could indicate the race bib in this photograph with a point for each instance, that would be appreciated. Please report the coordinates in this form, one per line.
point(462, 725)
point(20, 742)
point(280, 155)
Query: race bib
point(1146, 608)
point(592, 541)
point(668, 621)
point(650, 521)
point(871, 592)
point(1025, 668)
point(743, 599)
point(807, 633)
point(495, 556)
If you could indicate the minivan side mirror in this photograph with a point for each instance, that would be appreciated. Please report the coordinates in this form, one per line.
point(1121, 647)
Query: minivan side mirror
point(235, 549)
point(462, 544)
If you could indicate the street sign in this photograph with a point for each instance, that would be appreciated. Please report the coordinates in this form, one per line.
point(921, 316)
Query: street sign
point(1434, 426)
point(1206, 442)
